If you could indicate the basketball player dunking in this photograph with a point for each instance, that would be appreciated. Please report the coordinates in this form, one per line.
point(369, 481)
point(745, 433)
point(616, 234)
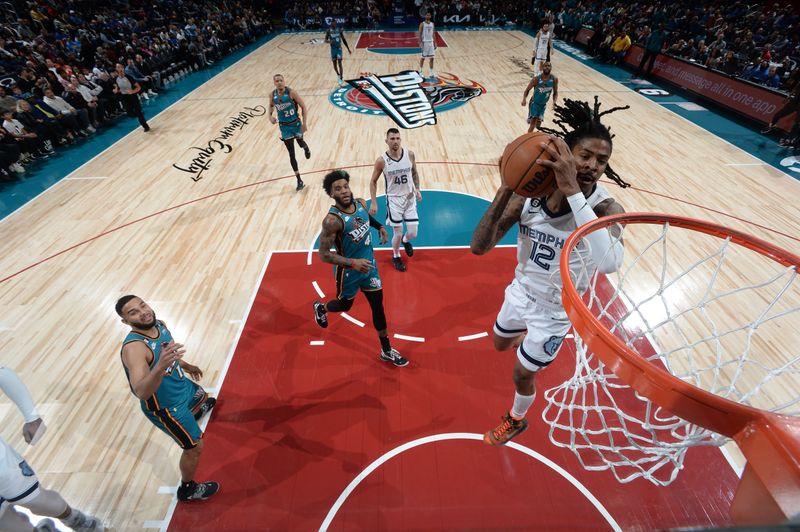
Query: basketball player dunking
point(532, 317)
point(347, 228)
point(291, 124)
point(426, 43)
point(399, 169)
point(543, 48)
point(543, 85)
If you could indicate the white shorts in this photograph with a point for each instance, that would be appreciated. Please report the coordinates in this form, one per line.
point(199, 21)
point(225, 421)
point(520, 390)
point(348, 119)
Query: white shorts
point(18, 482)
point(546, 326)
point(401, 209)
point(428, 49)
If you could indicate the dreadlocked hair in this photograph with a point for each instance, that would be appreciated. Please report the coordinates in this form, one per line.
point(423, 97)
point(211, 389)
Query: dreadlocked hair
point(577, 120)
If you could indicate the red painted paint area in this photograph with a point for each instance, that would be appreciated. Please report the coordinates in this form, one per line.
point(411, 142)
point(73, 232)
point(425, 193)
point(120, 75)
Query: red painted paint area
point(395, 39)
point(297, 423)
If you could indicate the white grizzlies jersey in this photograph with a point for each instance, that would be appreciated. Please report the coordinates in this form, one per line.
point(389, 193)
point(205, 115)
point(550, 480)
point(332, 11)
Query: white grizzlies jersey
point(427, 32)
point(541, 238)
point(399, 182)
point(543, 44)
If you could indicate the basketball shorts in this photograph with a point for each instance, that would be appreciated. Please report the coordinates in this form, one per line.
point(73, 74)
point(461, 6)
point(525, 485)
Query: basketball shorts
point(336, 53)
point(292, 130)
point(349, 281)
point(536, 111)
point(178, 421)
point(428, 49)
point(546, 325)
point(18, 482)
point(401, 209)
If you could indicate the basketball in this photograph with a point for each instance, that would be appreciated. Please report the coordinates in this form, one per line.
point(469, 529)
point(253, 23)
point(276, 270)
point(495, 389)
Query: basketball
point(519, 169)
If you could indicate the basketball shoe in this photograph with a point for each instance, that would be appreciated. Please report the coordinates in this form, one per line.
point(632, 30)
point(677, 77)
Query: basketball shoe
point(79, 521)
point(503, 433)
point(45, 525)
point(398, 264)
point(409, 249)
point(205, 408)
point(394, 357)
point(197, 492)
point(320, 314)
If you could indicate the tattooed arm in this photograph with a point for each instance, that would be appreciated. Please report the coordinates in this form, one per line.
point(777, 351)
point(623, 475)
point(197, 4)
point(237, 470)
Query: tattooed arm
point(501, 216)
point(415, 175)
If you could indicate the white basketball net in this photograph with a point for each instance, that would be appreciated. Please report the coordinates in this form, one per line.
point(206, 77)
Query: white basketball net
point(715, 314)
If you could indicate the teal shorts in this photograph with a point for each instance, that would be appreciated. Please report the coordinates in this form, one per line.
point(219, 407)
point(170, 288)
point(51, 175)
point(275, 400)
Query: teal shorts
point(292, 130)
point(349, 281)
point(336, 53)
point(536, 111)
point(178, 421)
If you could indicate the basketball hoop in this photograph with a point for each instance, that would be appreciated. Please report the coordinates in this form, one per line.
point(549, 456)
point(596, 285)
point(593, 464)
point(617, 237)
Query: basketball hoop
point(693, 341)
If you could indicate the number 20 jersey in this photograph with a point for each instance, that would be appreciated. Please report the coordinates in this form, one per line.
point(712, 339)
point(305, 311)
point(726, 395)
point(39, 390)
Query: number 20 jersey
point(541, 239)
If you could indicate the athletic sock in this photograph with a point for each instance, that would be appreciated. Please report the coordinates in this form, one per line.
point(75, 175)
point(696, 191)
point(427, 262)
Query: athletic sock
point(521, 405)
point(386, 347)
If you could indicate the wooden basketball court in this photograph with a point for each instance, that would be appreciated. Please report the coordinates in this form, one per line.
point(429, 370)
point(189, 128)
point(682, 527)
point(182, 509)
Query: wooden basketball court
point(131, 221)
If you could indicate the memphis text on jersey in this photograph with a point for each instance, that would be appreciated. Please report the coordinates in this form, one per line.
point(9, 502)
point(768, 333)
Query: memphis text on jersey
point(401, 96)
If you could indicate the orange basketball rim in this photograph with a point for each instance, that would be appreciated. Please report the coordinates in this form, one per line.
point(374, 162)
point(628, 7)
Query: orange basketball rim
point(769, 490)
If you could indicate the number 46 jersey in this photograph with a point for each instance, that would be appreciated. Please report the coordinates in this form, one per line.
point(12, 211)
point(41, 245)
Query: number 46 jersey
point(541, 238)
point(399, 182)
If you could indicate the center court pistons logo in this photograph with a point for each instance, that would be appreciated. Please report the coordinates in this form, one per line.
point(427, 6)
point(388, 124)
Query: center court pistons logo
point(446, 91)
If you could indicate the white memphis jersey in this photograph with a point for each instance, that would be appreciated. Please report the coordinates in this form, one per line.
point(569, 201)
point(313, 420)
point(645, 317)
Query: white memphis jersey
point(539, 243)
point(427, 31)
point(398, 176)
point(543, 43)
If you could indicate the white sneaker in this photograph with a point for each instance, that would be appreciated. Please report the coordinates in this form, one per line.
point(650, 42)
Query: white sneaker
point(45, 525)
point(145, 96)
point(80, 522)
point(151, 93)
point(90, 129)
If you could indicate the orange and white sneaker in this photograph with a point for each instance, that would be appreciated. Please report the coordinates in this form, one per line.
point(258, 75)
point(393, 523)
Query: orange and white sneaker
point(509, 428)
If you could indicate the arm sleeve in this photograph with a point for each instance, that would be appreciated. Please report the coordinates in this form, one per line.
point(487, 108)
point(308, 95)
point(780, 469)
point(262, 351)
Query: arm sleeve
point(607, 252)
point(15, 389)
point(374, 223)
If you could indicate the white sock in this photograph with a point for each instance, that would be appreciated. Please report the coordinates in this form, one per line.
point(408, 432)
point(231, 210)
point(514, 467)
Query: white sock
point(521, 404)
point(405, 238)
point(397, 236)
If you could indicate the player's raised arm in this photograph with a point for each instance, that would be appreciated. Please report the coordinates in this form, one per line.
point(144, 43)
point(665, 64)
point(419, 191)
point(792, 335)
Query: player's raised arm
point(144, 379)
point(501, 216)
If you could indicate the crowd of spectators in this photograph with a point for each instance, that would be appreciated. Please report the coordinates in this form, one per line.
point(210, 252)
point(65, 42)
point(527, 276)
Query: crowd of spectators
point(306, 15)
point(753, 41)
point(58, 63)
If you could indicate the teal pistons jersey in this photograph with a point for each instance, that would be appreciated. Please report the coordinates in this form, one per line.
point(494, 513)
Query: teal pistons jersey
point(355, 241)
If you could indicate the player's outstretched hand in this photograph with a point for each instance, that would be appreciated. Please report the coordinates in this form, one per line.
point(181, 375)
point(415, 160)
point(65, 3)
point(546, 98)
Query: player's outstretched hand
point(384, 236)
point(419, 195)
point(29, 429)
point(170, 353)
point(373, 209)
point(193, 371)
point(273, 120)
point(563, 165)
